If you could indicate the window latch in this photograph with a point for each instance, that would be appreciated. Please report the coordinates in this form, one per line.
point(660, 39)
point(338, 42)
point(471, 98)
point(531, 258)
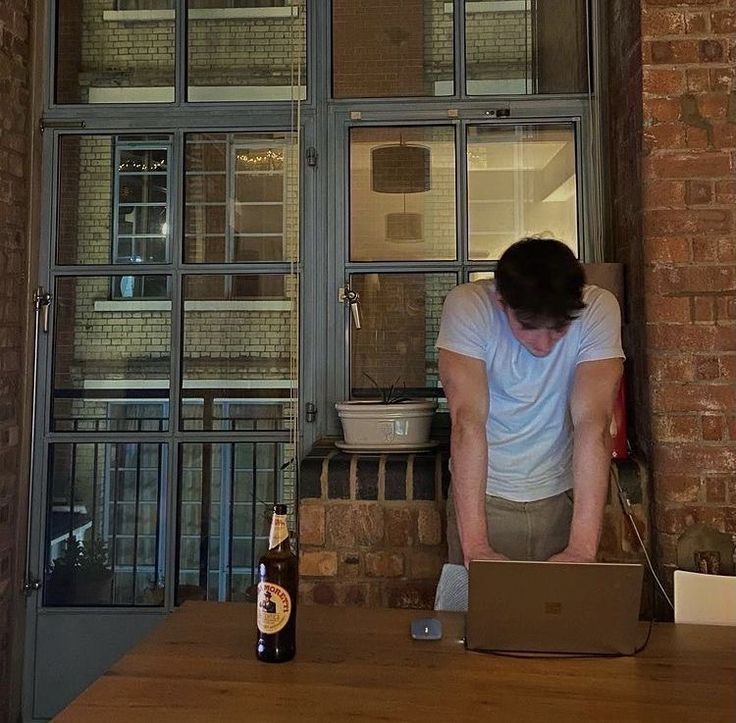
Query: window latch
point(348, 296)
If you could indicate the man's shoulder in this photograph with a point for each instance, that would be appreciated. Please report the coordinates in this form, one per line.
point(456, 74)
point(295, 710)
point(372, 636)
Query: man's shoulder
point(598, 301)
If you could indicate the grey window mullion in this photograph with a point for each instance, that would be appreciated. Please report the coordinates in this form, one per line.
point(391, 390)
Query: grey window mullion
point(180, 53)
point(459, 41)
point(461, 194)
point(176, 213)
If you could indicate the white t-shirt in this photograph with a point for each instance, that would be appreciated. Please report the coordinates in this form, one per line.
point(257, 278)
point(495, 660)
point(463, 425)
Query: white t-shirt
point(529, 429)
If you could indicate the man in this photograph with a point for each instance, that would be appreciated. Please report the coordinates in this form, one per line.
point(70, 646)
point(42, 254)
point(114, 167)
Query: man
point(531, 366)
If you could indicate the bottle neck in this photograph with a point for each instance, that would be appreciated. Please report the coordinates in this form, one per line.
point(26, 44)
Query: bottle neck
point(279, 537)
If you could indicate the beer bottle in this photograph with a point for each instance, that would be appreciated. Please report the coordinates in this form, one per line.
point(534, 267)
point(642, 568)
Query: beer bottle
point(278, 580)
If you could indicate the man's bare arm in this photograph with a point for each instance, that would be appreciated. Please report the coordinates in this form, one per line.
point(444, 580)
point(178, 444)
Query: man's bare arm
point(591, 406)
point(465, 383)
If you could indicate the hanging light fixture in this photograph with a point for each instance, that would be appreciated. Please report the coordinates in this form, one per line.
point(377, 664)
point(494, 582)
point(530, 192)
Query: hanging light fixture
point(400, 168)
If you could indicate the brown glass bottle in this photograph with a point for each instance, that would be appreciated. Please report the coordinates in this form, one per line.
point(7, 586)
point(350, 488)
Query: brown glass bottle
point(278, 580)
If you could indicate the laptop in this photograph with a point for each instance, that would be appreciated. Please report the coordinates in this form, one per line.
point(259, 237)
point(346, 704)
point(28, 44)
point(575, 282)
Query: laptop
point(553, 607)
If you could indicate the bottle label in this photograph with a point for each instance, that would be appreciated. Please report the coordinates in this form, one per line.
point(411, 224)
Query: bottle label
point(274, 607)
point(279, 531)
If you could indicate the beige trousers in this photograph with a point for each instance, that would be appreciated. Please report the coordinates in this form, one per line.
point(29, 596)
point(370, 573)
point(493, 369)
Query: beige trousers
point(519, 530)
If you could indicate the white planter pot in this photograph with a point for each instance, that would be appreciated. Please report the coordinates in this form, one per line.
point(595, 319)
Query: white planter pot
point(376, 425)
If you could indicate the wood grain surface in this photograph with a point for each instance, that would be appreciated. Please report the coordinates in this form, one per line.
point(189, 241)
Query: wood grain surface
point(360, 664)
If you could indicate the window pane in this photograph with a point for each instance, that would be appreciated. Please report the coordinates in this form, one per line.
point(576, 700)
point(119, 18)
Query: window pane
point(104, 545)
point(521, 182)
point(402, 193)
point(396, 50)
point(225, 514)
point(107, 352)
point(241, 198)
point(114, 199)
point(526, 47)
point(247, 50)
point(115, 51)
point(239, 347)
point(400, 316)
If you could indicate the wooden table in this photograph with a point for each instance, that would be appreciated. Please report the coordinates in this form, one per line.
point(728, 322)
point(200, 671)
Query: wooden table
point(360, 664)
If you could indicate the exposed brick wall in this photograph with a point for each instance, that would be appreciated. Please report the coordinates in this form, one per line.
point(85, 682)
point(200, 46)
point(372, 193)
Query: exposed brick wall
point(14, 90)
point(372, 527)
point(689, 249)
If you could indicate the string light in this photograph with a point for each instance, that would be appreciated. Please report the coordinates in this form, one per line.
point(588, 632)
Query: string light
point(141, 166)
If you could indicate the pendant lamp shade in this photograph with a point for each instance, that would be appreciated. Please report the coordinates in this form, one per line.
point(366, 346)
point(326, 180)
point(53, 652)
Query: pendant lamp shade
point(400, 168)
point(404, 227)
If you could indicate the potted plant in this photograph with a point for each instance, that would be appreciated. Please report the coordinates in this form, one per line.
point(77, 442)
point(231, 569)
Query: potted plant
point(81, 575)
point(390, 422)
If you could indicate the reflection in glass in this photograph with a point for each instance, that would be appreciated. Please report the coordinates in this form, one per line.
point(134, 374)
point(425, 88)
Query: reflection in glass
point(522, 181)
point(526, 47)
point(226, 497)
point(241, 197)
point(114, 199)
point(105, 353)
point(104, 542)
point(238, 355)
point(246, 50)
point(399, 49)
point(400, 316)
point(115, 51)
point(401, 222)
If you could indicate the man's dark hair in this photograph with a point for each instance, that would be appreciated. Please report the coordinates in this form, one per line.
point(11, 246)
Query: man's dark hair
point(542, 281)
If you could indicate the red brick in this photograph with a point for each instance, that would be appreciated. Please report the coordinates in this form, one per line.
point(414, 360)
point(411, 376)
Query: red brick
point(732, 436)
point(713, 105)
point(723, 22)
point(704, 308)
point(724, 135)
point(714, 427)
point(668, 250)
point(400, 526)
point(384, 564)
point(707, 368)
point(668, 309)
point(675, 520)
point(676, 427)
point(664, 136)
point(679, 488)
point(726, 191)
point(322, 563)
point(711, 51)
point(696, 23)
point(679, 368)
point(705, 249)
point(664, 194)
point(698, 80)
point(312, 524)
point(716, 489)
point(673, 397)
point(663, 81)
point(662, 22)
point(691, 165)
point(662, 110)
point(674, 457)
point(698, 193)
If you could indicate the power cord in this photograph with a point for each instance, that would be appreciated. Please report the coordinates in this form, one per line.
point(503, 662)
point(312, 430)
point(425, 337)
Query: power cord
point(626, 505)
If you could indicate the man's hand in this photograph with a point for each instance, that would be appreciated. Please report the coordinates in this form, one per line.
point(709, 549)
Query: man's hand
point(485, 552)
point(570, 554)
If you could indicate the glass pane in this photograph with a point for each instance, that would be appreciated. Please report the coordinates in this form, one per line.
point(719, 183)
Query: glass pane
point(111, 358)
point(114, 202)
point(225, 514)
point(247, 50)
point(400, 318)
point(104, 542)
point(522, 181)
point(241, 197)
point(402, 193)
point(239, 352)
point(396, 50)
point(526, 47)
point(115, 51)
